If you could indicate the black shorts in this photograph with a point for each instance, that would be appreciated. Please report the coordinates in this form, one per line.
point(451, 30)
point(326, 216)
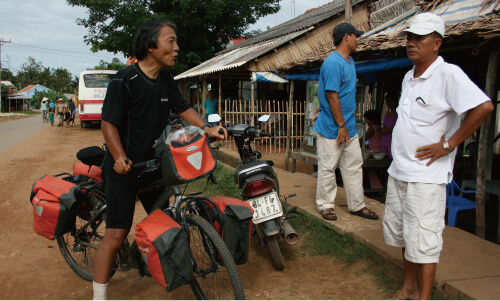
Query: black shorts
point(121, 195)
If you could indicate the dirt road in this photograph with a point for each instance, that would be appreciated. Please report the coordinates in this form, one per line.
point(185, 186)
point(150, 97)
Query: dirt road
point(31, 267)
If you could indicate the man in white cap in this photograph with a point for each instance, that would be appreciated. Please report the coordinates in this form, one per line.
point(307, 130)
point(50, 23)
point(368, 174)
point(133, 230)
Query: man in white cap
point(435, 96)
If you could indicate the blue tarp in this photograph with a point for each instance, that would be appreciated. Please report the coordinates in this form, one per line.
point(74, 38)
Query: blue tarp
point(361, 68)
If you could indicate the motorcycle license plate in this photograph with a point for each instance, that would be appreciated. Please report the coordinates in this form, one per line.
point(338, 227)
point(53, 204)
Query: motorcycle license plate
point(266, 207)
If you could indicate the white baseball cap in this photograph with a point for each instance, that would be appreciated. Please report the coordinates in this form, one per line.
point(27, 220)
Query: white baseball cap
point(424, 24)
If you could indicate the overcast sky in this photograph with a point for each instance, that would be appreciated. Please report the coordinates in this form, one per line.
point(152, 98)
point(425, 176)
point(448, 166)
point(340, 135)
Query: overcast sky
point(47, 31)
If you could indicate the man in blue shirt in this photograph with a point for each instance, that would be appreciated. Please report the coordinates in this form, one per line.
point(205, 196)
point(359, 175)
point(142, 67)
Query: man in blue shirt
point(337, 140)
point(210, 105)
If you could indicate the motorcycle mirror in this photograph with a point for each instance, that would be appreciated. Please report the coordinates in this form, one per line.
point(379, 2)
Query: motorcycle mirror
point(214, 118)
point(264, 118)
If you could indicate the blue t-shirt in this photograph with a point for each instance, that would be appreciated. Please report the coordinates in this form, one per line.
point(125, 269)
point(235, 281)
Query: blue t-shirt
point(210, 105)
point(337, 75)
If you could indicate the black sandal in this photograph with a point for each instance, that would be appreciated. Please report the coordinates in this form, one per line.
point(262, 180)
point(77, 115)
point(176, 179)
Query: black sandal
point(328, 214)
point(365, 213)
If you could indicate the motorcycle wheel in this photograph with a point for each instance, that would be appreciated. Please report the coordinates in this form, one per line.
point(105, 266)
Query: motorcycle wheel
point(274, 248)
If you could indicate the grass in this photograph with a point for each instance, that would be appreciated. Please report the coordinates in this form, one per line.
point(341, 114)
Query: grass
point(225, 184)
point(319, 240)
point(20, 113)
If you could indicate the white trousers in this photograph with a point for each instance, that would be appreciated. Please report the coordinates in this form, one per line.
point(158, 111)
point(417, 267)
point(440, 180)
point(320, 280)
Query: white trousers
point(350, 162)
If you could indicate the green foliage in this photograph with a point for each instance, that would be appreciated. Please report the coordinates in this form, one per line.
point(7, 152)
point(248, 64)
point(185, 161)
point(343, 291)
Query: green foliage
point(115, 64)
point(51, 95)
point(33, 72)
point(203, 26)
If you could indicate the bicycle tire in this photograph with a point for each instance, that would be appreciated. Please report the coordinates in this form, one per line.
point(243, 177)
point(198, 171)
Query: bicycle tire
point(209, 251)
point(274, 248)
point(80, 258)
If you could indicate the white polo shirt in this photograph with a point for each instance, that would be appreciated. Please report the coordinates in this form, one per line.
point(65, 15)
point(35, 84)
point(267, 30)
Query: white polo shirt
point(431, 106)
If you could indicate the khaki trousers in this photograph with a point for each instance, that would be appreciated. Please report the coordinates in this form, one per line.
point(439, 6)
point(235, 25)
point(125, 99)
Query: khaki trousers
point(350, 161)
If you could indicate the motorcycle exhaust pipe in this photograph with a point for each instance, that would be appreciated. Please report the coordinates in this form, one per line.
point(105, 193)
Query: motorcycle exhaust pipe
point(291, 236)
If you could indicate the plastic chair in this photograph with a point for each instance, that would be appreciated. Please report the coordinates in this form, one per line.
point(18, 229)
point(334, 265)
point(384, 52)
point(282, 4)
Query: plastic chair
point(455, 203)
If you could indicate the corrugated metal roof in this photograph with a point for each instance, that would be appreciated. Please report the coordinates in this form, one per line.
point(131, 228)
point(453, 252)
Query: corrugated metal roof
point(238, 57)
point(260, 44)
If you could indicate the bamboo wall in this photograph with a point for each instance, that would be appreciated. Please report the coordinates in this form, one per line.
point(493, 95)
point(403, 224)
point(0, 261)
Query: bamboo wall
point(239, 111)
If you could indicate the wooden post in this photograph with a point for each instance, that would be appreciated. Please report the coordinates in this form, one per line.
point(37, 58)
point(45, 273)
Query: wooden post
point(220, 95)
point(348, 11)
point(203, 96)
point(289, 124)
point(252, 103)
point(198, 97)
point(483, 147)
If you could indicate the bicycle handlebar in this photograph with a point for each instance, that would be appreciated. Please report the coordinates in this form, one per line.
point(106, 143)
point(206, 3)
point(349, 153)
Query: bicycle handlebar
point(146, 165)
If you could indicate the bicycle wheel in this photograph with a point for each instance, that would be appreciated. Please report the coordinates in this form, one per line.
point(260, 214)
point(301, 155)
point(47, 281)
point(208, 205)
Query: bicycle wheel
point(79, 249)
point(216, 275)
point(274, 248)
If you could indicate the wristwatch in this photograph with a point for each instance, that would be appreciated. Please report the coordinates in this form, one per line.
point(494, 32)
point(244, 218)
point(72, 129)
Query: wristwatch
point(205, 125)
point(342, 125)
point(446, 147)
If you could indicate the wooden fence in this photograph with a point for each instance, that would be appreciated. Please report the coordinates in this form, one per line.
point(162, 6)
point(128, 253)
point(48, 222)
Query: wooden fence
point(240, 111)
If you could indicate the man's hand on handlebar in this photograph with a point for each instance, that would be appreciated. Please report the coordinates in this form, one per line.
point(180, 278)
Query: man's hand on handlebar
point(122, 165)
point(218, 132)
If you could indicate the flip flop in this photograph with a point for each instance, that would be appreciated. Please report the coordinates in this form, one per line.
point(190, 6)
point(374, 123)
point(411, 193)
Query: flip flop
point(328, 214)
point(365, 213)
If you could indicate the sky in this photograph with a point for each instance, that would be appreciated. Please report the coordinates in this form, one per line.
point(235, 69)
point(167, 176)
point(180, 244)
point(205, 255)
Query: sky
point(47, 31)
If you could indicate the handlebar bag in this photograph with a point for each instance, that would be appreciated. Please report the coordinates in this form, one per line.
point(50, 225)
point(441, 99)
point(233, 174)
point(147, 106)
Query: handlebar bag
point(237, 225)
point(53, 201)
point(164, 246)
point(186, 161)
point(91, 171)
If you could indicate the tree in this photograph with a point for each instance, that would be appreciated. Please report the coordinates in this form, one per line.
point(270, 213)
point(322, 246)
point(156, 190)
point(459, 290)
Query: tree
point(30, 72)
point(46, 76)
point(203, 26)
point(115, 64)
point(51, 95)
point(62, 79)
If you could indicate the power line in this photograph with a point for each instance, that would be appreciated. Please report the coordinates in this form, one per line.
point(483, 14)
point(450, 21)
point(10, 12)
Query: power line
point(62, 52)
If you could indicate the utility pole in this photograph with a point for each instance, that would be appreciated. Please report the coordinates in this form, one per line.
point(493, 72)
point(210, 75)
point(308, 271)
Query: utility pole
point(1, 43)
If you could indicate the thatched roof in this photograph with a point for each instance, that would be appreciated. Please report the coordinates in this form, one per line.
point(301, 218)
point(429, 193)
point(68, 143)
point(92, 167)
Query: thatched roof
point(474, 33)
point(310, 18)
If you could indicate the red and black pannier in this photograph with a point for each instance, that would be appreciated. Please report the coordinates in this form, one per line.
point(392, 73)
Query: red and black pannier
point(53, 201)
point(237, 225)
point(90, 171)
point(163, 243)
point(185, 158)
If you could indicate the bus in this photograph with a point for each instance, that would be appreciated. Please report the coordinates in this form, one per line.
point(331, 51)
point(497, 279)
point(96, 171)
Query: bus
point(91, 91)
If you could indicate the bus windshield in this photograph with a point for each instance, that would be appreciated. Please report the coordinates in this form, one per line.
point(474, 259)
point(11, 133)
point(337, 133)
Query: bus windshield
point(97, 80)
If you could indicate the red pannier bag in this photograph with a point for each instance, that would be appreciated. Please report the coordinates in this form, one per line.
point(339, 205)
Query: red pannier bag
point(187, 160)
point(164, 245)
point(53, 201)
point(91, 171)
point(237, 219)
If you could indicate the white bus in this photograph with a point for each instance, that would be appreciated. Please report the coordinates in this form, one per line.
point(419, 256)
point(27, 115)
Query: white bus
point(91, 91)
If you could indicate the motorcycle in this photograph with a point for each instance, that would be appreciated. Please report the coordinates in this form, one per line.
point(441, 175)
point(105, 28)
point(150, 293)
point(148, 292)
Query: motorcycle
point(260, 187)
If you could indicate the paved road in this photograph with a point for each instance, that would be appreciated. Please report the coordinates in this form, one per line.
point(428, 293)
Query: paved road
point(14, 132)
